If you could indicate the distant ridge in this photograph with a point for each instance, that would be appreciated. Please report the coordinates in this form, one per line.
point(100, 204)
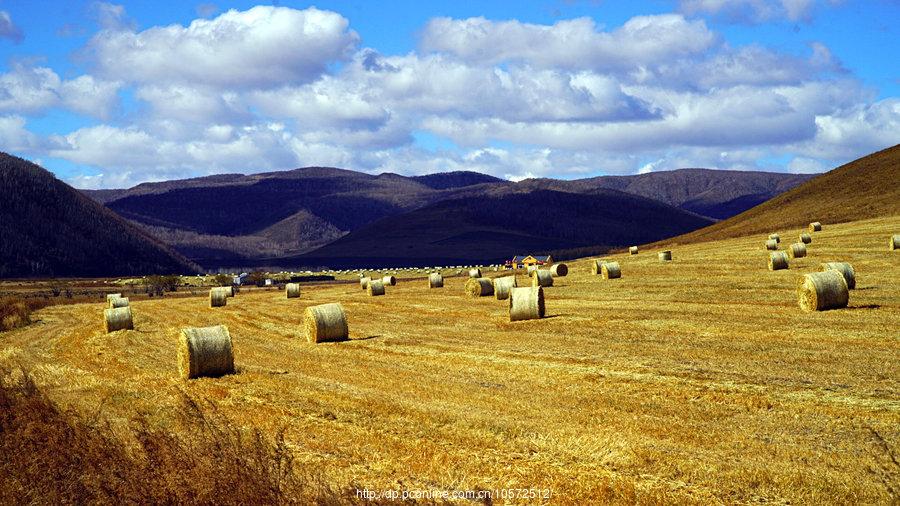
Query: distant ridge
point(868, 187)
point(50, 229)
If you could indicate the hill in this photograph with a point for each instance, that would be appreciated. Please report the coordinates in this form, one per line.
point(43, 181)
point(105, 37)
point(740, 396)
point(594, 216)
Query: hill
point(492, 224)
point(51, 229)
point(862, 189)
point(235, 219)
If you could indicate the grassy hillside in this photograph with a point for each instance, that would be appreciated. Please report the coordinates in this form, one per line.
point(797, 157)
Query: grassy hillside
point(865, 188)
point(51, 229)
point(495, 224)
point(694, 382)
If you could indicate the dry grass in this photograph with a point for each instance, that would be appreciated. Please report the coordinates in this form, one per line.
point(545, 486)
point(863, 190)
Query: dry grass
point(699, 384)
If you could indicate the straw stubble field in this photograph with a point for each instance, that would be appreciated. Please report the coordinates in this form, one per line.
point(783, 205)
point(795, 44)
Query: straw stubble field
point(697, 380)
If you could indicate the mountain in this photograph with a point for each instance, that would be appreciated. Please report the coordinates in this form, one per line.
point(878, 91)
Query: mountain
point(50, 229)
point(865, 188)
point(717, 194)
point(235, 219)
point(494, 223)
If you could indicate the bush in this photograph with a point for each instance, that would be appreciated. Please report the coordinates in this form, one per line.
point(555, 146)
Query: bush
point(51, 456)
point(16, 312)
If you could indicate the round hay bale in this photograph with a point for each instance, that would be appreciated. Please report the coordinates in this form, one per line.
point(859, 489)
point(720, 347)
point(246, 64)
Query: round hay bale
point(475, 273)
point(526, 303)
point(772, 244)
point(389, 280)
point(775, 237)
point(217, 297)
point(435, 280)
point(665, 256)
point(120, 302)
point(326, 322)
point(292, 290)
point(205, 352)
point(364, 282)
point(815, 227)
point(845, 269)
point(110, 297)
point(895, 242)
point(376, 287)
point(229, 290)
point(479, 287)
point(633, 250)
point(542, 278)
point(118, 318)
point(805, 238)
point(502, 286)
point(820, 291)
point(559, 270)
point(778, 260)
point(797, 250)
point(611, 270)
point(597, 266)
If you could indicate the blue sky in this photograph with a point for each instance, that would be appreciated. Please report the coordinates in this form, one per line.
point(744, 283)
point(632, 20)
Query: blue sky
point(113, 94)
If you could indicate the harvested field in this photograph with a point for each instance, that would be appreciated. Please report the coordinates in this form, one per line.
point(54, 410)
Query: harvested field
point(699, 384)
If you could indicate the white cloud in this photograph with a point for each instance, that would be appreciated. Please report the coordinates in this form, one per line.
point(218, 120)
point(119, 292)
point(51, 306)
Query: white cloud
point(14, 137)
point(576, 43)
point(753, 11)
point(260, 47)
point(35, 89)
point(8, 29)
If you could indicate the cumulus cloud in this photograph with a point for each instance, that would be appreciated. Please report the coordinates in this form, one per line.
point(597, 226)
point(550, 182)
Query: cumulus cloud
point(575, 43)
point(14, 137)
point(260, 90)
point(34, 89)
point(753, 11)
point(261, 47)
point(8, 29)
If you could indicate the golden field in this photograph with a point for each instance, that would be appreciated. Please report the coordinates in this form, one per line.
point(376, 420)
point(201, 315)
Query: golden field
point(694, 381)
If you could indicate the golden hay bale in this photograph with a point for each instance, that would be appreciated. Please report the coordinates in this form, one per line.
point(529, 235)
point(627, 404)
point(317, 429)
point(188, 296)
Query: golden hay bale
point(435, 280)
point(364, 282)
point(120, 302)
point(778, 260)
point(502, 286)
point(217, 297)
point(541, 278)
point(326, 322)
point(895, 242)
point(475, 273)
point(205, 351)
point(559, 270)
point(823, 290)
point(479, 287)
point(665, 256)
point(229, 290)
point(633, 250)
point(611, 270)
point(775, 237)
point(797, 250)
point(389, 280)
point(112, 296)
point(526, 303)
point(597, 266)
point(118, 318)
point(772, 244)
point(376, 287)
point(815, 226)
point(292, 290)
point(805, 238)
point(845, 269)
